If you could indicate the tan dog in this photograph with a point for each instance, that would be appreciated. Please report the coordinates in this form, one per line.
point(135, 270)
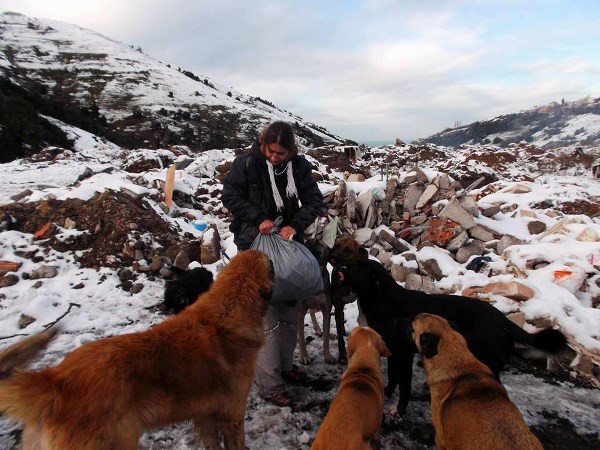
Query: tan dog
point(198, 365)
point(470, 409)
point(355, 414)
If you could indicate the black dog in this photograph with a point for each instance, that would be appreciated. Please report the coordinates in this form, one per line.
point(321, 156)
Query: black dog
point(185, 289)
point(389, 309)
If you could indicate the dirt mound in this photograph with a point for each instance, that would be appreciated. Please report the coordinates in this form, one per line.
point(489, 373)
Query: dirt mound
point(114, 228)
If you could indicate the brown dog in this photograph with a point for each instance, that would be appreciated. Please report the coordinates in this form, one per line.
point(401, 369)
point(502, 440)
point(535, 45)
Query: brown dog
point(198, 365)
point(470, 409)
point(354, 417)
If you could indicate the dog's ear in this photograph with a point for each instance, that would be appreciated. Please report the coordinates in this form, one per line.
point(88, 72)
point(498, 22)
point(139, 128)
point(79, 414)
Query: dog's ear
point(383, 350)
point(429, 344)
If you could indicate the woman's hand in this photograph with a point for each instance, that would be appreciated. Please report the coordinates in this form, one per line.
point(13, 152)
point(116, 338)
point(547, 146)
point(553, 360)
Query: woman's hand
point(287, 232)
point(266, 226)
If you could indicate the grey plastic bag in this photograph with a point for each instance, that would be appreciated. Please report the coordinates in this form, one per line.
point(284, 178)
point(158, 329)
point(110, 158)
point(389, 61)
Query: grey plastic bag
point(297, 272)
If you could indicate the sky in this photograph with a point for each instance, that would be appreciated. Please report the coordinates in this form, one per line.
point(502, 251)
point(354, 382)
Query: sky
point(104, 309)
point(368, 70)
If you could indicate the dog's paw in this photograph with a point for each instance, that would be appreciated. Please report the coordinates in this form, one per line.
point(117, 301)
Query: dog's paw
point(329, 359)
point(305, 360)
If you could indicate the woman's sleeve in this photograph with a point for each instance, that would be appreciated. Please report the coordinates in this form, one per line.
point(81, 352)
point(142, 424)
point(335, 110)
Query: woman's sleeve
point(310, 196)
point(235, 194)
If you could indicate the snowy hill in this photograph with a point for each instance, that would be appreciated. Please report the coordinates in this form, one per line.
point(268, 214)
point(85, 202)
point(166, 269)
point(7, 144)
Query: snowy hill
point(551, 126)
point(111, 89)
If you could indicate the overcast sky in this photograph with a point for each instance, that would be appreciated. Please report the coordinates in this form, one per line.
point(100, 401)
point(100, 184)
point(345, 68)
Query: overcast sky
point(365, 69)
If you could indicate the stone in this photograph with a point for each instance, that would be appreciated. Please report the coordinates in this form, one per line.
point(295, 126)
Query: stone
point(426, 196)
point(457, 242)
point(182, 260)
point(351, 205)
point(44, 272)
point(418, 282)
point(441, 231)
point(363, 202)
point(513, 290)
point(363, 235)
point(399, 273)
point(536, 227)
point(355, 177)
point(210, 247)
point(469, 204)
point(473, 248)
point(8, 280)
point(490, 211)
point(481, 233)
point(457, 213)
point(431, 268)
point(411, 197)
point(393, 241)
point(506, 241)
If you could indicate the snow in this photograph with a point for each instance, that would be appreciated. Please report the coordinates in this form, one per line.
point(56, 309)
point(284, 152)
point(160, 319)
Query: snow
point(90, 305)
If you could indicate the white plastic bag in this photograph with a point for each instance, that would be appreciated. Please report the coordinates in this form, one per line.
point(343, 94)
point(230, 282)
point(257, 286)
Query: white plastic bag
point(297, 272)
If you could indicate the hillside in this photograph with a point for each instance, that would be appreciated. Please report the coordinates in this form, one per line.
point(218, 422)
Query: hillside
point(551, 126)
point(116, 91)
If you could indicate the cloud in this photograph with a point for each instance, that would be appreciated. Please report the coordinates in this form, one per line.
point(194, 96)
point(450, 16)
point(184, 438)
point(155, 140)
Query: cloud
point(365, 69)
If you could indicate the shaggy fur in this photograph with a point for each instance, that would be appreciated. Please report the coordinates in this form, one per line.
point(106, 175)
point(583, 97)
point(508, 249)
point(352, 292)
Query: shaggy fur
point(470, 409)
point(198, 365)
point(389, 309)
point(355, 414)
point(185, 289)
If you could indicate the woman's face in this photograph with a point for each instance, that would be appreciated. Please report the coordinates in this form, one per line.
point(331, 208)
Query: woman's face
point(276, 153)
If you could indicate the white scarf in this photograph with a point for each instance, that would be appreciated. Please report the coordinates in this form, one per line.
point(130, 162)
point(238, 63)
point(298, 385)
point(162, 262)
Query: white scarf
point(290, 190)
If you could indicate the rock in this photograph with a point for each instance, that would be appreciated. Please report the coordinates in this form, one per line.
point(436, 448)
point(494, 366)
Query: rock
point(395, 243)
point(351, 206)
point(513, 290)
point(431, 268)
point(355, 177)
point(182, 260)
point(426, 196)
point(420, 283)
point(210, 248)
point(490, 211)
point(136, 288)
point(481, 233)
point(8, 280)
point(457, 242)
point(469, 204)
point(475, 247)
point(363, 202)
point(506, 241)
point(441, 231)
point(401, 272)
point(25, 321)
point(363, 235)
point(457, 213)
point(44, 272)
point(411, 197)
point(536, 227)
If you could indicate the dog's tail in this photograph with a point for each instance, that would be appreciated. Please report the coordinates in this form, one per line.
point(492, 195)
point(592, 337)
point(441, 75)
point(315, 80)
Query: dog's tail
point(25, 396)
point(547, 340)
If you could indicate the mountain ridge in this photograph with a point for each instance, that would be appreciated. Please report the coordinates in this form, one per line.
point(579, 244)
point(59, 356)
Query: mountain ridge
point(553, 125)
point(133, 99)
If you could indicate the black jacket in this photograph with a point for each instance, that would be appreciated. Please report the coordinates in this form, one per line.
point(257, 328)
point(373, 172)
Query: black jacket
point(248, 196)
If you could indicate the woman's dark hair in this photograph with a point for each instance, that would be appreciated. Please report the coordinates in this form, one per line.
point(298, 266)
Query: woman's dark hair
point(279, 133)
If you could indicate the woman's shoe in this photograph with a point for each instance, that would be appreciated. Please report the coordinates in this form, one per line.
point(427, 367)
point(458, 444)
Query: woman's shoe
point(281, 399)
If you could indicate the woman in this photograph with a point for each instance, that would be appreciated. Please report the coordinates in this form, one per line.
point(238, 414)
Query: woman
point(269, 181)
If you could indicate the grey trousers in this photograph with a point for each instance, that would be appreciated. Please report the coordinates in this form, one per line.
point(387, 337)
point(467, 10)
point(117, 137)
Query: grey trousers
point(277, 353)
